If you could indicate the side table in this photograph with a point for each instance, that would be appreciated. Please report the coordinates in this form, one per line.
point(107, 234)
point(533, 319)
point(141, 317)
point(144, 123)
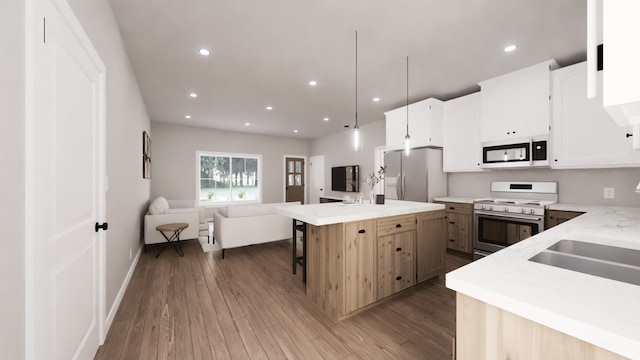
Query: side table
point(174, 229)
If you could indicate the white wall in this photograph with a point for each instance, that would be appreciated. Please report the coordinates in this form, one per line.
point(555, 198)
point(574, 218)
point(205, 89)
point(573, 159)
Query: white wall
point(173, 158)
point(338, 151)
point(12, 177)
point(128, 195)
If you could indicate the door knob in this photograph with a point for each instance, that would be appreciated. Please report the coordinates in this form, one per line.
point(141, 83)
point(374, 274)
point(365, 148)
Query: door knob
point(104, 226)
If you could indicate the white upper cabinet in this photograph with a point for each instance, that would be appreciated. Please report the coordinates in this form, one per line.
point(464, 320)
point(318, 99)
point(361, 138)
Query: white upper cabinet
point(462, 149)
point(615, 24)
point(425, 125)
point(517, 104)
point(583, 135)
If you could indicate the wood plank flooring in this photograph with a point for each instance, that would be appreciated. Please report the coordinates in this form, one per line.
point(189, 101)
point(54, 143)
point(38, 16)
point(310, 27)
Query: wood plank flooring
point(250, 306)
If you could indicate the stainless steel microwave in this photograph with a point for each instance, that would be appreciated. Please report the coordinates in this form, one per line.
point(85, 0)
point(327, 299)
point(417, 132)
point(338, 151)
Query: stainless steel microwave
point(516, 153)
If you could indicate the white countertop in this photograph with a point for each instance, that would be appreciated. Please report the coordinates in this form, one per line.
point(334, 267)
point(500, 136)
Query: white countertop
point(461, 200)
point(597, 310)
point(335, 213)
point(573, 207)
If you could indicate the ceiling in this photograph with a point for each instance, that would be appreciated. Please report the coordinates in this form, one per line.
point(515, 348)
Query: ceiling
point(264, 53)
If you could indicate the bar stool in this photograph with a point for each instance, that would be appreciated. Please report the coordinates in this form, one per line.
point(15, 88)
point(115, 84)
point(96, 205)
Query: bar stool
point(300, 226)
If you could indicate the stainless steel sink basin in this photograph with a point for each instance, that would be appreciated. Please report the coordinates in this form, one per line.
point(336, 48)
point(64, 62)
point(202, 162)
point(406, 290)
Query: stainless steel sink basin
point(610, 262)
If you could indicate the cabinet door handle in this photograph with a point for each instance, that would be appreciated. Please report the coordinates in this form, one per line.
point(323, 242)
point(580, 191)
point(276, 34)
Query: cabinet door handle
point(398, 225)
point(452, 208)
point(452, 240)
point(451, 222)
point(399, 249)
point(629, 135)
point(361, 231)
point(398, 277)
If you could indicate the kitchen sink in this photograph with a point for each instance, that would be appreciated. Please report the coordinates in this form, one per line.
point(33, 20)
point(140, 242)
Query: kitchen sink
point(606, 261)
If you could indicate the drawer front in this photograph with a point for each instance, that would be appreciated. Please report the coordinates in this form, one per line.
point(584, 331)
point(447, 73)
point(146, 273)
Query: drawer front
point(396, 224)
point(457, 207)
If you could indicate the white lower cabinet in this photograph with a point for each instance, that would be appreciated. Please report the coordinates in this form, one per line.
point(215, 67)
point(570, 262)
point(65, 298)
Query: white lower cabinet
point(583, 135)
point(462, 151)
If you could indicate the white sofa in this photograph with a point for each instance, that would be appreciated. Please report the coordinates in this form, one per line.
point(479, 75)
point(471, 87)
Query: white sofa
point(163, 211)
point(241, 225)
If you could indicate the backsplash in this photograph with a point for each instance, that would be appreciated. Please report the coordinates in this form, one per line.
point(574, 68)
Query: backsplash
point(574, 186)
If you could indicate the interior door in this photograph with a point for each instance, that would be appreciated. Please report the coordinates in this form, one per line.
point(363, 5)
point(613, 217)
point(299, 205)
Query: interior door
point(316, 178)
point(65, 303)
point(295, 179)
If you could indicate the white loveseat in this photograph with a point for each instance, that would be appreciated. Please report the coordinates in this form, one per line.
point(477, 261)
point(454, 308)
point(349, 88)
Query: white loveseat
point(241, 225)
point(163, 211)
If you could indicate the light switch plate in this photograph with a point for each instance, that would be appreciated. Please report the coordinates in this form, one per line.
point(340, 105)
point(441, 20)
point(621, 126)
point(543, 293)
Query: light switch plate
point(609, 193)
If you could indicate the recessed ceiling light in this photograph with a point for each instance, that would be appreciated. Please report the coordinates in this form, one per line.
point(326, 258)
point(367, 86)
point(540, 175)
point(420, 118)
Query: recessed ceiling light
point(376, 99)
point(326, 119)
point(313, 83)
point(269, 108)
point(295, 131)
point(510, 48)
point(247, 124)
point(204, 52)
point(193, 95)
point(187, 116)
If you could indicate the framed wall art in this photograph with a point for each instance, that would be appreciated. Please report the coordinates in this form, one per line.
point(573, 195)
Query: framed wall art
point(146, 156)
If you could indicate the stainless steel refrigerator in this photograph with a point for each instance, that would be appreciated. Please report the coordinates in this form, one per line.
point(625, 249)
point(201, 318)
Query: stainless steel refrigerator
point(416, 177)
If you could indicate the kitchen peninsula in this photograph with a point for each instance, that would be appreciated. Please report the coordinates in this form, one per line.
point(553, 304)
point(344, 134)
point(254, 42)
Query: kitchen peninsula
point(358, 254)
point(507, 304)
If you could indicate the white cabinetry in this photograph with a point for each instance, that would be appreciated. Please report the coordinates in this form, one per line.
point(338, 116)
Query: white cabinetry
point(517, 104)
point(425, 125)
point(583, 135)
point(616, 23)
point(462, 149)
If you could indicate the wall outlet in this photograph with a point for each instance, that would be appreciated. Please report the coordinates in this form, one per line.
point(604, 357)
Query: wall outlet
point(130, 253)
point(609, 193)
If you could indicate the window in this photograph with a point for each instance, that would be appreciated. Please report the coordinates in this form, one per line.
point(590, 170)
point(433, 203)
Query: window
point(226, 178)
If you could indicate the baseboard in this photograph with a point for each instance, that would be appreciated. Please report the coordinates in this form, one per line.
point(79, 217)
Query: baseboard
point(116, 303)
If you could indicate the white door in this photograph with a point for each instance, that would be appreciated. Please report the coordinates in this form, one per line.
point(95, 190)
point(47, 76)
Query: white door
point(65, 302)
point(316, 178)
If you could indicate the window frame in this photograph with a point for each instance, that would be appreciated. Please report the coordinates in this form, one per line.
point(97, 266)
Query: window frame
point(201, 153)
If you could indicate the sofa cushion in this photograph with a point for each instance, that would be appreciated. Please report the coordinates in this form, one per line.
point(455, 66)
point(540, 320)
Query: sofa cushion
point(158, 206)
point(251, 209)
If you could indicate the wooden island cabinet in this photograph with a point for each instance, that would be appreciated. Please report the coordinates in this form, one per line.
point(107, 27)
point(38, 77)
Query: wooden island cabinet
point(355, 264)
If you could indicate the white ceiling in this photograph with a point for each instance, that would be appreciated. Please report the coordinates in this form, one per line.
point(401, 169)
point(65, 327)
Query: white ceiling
point(264, 52)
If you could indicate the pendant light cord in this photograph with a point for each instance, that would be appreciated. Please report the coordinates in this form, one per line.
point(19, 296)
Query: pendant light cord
point(356, 79)
point(407, 95)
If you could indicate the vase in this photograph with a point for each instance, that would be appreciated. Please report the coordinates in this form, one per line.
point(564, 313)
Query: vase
point(372, 197)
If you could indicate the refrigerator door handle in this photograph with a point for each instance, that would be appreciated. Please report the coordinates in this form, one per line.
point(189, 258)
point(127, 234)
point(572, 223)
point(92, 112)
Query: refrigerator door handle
point(404, 186)
point(399, 187)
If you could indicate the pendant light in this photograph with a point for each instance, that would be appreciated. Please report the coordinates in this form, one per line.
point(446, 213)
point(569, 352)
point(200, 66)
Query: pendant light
point(356, 128)
point(407, 138)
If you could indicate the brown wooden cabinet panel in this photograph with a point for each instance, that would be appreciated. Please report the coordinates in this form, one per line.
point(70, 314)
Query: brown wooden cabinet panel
point(459, 230)
point(485, 332)
point(555, 217)
point(430, 244)
point(325, 267)
point(396, 263)
point(360, 264)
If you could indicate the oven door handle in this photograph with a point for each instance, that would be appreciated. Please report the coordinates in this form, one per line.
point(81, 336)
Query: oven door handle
point(509, 215)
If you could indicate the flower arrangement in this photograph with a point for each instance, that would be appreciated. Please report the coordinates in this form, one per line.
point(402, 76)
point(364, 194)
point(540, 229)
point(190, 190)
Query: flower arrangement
point(376, 177)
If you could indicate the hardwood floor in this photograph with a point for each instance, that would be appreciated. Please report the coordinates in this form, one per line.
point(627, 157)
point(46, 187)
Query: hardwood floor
point(250, 306)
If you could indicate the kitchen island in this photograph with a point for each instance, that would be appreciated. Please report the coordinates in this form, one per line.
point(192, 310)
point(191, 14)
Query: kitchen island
point(358, 254)
point(510, 307)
